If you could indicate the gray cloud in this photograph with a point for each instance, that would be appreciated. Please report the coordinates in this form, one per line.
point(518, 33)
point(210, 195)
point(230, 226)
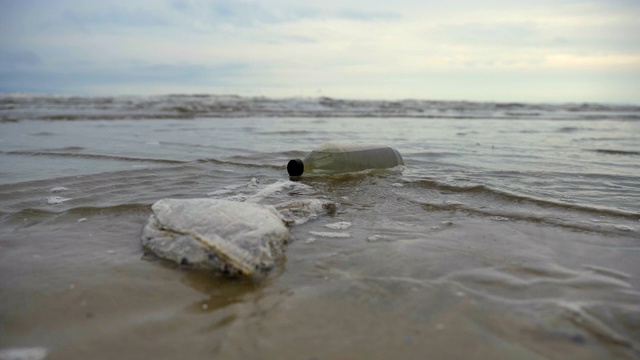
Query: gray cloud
point(506, 34)
point(353, 47)
point(94, 75)
point(19, 59)
point(368, 15)
point(114, 16)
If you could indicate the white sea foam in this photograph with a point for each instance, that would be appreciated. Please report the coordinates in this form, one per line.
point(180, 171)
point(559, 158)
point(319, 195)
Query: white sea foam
point(254, 192)
point(33, 353)
point(375, 238)
point(58, 189)
point(54, 200)
point(298, 212)
point(276, 187)
point(339, 225)
point(217, 193)
point(624, 227)
point(330, 234)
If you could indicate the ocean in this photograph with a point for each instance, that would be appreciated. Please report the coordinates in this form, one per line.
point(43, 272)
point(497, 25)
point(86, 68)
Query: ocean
point(512, 230)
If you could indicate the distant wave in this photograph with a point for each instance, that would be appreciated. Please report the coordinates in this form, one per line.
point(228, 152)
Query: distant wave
point(64, 108)
point(616, 152)
point(287, 132)
point(91, 156)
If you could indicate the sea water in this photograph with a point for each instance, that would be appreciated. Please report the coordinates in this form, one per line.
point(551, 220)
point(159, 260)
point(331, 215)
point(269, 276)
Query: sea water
point(512, 228)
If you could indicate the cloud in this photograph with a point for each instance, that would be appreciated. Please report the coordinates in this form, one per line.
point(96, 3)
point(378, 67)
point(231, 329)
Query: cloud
point(501, 34)
point(354, 48)
point(591, 62)
point(91, 75)
point(368, 15)
point(19, 59)
point(114, 16)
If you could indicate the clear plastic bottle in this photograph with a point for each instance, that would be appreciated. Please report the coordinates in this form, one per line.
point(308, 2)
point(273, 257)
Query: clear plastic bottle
point(335, 158)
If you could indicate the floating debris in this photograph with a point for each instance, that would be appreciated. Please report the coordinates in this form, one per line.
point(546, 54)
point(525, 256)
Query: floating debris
point(297, 212)
point(236, 238)
point(231, 237)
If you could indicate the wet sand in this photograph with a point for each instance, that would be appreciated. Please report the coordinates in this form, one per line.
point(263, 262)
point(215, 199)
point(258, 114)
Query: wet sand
point(465, 289)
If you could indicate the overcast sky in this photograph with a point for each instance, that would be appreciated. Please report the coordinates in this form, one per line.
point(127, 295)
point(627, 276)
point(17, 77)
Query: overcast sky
point(532, 51)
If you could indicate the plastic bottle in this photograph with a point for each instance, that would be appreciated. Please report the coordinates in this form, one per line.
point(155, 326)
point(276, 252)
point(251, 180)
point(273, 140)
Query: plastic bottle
point(335, 158)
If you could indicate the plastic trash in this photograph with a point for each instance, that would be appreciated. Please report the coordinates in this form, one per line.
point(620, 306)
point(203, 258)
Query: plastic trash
point(336, 158)
point(234, 238)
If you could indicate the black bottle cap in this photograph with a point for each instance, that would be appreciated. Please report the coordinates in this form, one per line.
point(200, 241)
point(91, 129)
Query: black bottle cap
point(295, 167)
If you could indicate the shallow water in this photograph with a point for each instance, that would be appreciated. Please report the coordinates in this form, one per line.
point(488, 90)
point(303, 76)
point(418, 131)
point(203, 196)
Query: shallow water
point(515, 235)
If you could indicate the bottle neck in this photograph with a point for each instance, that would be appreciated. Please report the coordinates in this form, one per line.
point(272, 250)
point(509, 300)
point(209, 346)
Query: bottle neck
point(295, 167)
